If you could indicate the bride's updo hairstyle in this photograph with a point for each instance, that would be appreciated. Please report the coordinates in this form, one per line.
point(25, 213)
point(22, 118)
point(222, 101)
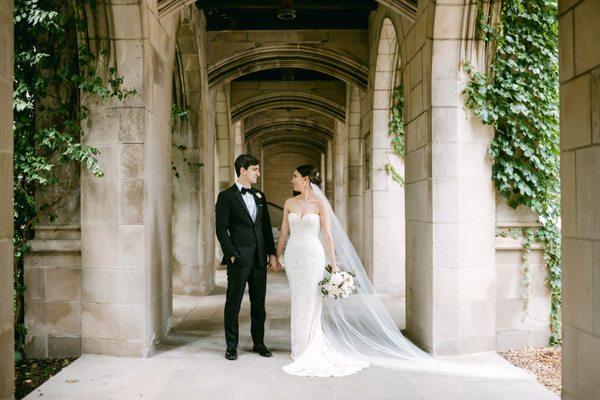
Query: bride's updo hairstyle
point(311, 172)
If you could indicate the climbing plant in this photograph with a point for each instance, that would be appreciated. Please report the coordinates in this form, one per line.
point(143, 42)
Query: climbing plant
point(396, 132)
point(54, 67)
point(518, 96)
point(179, 117)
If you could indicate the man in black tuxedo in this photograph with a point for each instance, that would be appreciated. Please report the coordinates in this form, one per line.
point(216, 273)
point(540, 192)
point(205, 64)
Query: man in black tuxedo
point(243, 228)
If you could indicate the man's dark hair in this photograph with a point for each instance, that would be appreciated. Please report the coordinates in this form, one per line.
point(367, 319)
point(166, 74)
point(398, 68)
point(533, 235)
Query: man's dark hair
point(245, 161)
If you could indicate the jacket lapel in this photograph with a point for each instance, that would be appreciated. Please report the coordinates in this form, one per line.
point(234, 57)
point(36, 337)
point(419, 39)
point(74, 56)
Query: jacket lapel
point(259, 207)
point(238, 195)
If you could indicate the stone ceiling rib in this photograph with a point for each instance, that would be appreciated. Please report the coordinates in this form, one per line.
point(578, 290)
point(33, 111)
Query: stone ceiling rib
point(288, 126)
point(288, 56)
point(269, 101)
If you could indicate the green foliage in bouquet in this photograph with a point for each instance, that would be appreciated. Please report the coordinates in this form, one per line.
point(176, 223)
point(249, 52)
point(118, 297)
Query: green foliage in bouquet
point(328, 282)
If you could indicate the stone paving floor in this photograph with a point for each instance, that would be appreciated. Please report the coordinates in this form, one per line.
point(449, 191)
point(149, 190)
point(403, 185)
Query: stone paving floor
point(189, 365)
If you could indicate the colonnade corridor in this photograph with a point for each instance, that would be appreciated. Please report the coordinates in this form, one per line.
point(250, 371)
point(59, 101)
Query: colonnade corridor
point(127, 276)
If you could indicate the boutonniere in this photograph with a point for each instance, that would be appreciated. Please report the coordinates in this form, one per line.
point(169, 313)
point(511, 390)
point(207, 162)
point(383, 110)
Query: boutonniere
point(258, 195)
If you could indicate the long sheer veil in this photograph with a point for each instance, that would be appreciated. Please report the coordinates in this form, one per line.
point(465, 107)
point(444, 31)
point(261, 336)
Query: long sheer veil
point(360, 325)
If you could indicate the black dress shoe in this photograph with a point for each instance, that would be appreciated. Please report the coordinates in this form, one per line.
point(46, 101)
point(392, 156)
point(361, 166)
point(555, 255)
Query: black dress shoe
point(262, 350)
point(231, 353)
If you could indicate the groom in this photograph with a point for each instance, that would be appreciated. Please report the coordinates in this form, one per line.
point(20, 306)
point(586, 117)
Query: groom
point(244, 231)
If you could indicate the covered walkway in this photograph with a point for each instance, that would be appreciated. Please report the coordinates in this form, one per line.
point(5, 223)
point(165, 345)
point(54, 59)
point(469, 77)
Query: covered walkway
point(189, 365)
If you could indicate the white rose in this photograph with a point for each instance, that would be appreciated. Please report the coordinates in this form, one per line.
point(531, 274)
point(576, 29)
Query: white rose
point(337, 279)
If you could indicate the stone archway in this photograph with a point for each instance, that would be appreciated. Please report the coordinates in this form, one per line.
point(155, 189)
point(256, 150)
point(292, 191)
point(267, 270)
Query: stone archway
point(304, 56)
point(269, 101)
point(288, 125)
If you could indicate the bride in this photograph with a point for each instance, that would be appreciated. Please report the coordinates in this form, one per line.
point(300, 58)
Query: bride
point(341, 337)
point(305, 217)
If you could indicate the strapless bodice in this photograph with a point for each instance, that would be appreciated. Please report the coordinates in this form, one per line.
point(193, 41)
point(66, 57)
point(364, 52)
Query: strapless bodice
point(306, 226)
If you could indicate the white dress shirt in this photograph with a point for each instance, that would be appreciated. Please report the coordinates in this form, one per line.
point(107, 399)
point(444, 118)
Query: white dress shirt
point(249, 200)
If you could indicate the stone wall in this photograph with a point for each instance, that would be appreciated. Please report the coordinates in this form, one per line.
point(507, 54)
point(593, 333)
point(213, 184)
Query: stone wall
point(279, 163)
point(522, 315)
point(580, 187)
point(7, 370)
point(53, 278)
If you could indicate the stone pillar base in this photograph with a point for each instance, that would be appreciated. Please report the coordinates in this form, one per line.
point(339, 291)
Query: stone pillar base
point(53, 293)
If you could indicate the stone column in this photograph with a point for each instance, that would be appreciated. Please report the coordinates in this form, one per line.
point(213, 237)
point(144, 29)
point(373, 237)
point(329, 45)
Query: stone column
point(450, 198)
point(126, 215)
point(329, 173)
point(322, 169)
point(223, 134)
point(7, 365)
point(190, 276)
point(580, 189)
point(340, 171)
point(238, 145)
point(355, 170)
point(387, 197)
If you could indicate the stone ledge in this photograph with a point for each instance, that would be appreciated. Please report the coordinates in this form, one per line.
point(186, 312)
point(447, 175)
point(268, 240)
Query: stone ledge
point(507, 244)
point(58, 232)
point(59, 246)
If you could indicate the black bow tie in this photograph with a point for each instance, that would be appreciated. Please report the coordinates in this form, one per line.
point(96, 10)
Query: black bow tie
point(244, 190)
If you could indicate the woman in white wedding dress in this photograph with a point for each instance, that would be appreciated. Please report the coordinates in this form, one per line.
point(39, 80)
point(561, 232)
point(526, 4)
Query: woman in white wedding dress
point(340, 337)
point(304, 217)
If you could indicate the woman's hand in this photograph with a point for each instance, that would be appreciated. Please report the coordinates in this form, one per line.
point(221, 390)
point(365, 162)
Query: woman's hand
point(334, 268)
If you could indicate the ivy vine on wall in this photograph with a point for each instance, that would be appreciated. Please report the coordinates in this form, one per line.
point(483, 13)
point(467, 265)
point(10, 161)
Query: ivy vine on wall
point(396, 132)
point(519, 98)
point(180, 117)
point(54, 68)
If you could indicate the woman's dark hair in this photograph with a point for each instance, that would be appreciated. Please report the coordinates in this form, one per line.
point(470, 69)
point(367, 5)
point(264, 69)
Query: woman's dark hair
point(245, 161)
point(312, 173)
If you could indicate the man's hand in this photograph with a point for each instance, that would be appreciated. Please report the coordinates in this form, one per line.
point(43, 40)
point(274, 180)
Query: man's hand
point(232, 259)
point(273, 264)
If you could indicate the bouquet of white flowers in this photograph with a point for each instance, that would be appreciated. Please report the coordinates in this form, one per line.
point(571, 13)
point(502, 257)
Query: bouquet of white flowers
point(338, 284)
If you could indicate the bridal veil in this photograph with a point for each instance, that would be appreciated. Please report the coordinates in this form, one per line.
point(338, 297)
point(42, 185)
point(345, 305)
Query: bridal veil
point(361, 326)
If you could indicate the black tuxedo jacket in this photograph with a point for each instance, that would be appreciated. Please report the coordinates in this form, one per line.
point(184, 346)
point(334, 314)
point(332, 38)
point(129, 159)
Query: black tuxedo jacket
point(238, 235)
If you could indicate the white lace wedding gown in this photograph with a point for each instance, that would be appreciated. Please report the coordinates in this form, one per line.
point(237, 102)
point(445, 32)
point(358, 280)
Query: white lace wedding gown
point(304, 262)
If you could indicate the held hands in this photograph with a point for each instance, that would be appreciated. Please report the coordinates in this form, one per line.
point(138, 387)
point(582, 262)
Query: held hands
point(274, 264)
